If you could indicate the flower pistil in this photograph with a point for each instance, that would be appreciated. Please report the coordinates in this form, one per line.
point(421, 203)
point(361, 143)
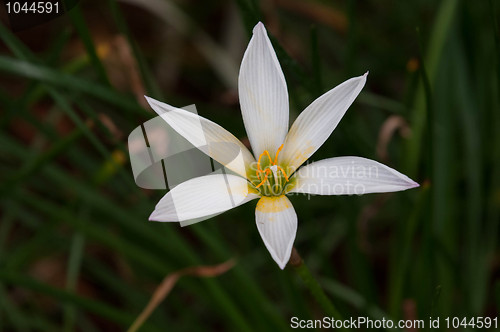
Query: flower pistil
point(263, 173)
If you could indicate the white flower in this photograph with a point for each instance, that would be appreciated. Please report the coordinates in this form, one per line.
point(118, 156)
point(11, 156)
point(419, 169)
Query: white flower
point(278, 152)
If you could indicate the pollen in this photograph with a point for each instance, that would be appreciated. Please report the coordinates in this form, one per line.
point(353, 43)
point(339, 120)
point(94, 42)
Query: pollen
point(263, 174)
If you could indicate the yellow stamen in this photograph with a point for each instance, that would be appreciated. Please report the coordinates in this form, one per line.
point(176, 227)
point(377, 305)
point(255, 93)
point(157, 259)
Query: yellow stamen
point(260, 157)
point(259, 172)
point(284, 173)
point(277, 153)
point(266, 172)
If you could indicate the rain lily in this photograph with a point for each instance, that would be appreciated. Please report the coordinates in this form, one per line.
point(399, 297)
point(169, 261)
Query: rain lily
point(274, 169)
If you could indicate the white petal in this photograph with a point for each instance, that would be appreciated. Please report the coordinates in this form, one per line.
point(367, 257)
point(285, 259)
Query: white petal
point(349, 175)
point(202, 197)
point(277, 224)
point(207, 136)
point(316, 123)
point(263, 94)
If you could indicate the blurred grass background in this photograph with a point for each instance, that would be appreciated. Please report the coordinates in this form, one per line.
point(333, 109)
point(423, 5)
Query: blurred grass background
point(76, 250)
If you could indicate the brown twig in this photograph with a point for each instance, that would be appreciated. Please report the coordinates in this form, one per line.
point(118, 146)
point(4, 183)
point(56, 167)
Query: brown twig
point(169, 282)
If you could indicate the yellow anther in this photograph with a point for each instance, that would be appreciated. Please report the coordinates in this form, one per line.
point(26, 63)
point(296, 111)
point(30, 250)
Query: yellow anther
point(266, 172)
point(277, 153)
point(260, 157)
point(284, 173)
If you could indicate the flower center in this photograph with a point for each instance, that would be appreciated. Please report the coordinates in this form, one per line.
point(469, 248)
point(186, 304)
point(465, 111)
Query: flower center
point(270, 185)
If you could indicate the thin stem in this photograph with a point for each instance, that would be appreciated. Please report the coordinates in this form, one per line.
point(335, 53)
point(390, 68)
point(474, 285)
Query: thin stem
point(314, 287)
